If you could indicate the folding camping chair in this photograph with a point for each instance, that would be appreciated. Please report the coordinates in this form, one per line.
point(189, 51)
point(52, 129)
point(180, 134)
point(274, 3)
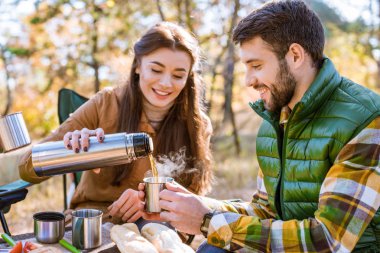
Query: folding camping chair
point(68, 102)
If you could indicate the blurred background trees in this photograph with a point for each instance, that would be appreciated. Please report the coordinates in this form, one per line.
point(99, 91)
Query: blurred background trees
point(86, 45)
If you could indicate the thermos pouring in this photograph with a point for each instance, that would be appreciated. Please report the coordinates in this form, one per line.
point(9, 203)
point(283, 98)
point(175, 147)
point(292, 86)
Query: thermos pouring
point(52, 158)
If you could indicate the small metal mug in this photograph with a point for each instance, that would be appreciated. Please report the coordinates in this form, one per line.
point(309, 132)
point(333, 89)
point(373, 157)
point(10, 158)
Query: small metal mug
point(153, 187)
point(87, 228)
point(13, 132)
point(49, 227)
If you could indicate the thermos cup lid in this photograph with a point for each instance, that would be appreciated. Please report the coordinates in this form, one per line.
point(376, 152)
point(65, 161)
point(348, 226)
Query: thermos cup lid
point(13, 132)
point(142, 144)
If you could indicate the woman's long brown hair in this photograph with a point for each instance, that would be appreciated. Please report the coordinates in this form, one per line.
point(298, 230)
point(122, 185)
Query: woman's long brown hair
point(183, 125)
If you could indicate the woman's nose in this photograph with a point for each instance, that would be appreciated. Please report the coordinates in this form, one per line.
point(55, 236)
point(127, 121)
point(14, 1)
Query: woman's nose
point(165, 80)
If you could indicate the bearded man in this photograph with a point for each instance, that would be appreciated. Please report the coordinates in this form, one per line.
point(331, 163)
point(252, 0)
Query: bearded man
point(318, 149)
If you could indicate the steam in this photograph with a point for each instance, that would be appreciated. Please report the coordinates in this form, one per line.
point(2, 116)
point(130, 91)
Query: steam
point(173, 165)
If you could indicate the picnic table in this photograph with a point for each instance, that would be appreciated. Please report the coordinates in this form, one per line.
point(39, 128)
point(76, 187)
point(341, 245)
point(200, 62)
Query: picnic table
point(107, 245)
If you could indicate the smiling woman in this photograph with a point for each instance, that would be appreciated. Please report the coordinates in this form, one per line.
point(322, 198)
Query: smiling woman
point(163, 75)
point(161, 98)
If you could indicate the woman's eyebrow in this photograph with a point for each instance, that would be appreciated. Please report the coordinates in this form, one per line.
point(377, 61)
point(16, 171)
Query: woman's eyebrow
point(162, 65)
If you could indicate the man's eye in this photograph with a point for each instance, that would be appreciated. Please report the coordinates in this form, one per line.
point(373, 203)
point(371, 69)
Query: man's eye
point(256, 66)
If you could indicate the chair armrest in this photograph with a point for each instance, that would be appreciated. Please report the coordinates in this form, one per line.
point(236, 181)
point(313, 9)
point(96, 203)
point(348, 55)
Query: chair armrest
point(12, 193)
point(8, 189)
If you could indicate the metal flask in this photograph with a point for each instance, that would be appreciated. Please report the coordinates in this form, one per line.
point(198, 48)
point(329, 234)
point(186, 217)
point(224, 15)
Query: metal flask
point(52, 158)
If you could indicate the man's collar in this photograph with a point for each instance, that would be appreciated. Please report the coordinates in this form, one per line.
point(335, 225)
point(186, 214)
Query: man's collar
point(326, 81)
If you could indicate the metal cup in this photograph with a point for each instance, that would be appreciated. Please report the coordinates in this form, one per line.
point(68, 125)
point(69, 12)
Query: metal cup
point(13, 132)
point(153, 187)
point(87, 228)
point(49, 227)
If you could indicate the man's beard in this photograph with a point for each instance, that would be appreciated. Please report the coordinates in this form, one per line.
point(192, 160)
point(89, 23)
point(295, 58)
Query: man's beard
point(282, 89)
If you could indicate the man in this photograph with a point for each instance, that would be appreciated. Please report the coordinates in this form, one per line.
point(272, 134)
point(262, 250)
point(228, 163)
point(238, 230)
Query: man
point(319, 182)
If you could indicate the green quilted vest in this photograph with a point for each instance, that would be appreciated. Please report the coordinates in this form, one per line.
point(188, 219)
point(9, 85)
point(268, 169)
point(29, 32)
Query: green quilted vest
point(295, 163)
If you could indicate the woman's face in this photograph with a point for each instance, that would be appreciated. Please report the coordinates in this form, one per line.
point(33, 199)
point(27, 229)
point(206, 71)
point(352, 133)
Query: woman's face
point(163, 74)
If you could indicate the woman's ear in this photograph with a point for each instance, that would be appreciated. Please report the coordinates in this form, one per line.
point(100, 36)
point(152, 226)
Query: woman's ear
point(137, 71)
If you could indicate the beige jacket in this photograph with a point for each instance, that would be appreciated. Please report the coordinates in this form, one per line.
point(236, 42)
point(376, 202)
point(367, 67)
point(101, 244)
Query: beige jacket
point(95, 190)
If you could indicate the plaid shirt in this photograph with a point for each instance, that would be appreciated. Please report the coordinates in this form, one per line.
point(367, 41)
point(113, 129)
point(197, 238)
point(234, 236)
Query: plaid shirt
point(348, 200)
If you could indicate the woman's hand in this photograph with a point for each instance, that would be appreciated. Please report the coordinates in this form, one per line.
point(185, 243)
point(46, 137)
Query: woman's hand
point(128, 206)
point(79, 139)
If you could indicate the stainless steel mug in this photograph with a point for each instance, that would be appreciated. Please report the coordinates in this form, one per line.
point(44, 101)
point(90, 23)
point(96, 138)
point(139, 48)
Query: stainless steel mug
point(52, 158)
point(153, 187)
point(49, 227)
point(87, 228)
point(13, 132)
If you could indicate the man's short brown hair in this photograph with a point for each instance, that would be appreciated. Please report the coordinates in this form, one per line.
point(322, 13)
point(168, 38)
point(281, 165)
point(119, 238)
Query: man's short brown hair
point(282, 23)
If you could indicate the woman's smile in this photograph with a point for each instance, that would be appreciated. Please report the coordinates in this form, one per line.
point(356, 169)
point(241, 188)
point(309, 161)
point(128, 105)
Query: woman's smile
point(163, 75)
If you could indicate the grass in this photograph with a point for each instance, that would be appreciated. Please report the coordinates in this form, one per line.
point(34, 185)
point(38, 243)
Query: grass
point(235, 176)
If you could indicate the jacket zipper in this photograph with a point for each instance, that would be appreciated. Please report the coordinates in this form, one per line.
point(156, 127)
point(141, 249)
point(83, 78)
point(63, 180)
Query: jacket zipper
point(282, 157)
point(276, 127)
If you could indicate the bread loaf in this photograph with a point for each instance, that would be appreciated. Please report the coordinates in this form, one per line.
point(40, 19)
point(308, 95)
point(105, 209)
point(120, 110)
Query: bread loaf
point(128, 239)
point(165, 240)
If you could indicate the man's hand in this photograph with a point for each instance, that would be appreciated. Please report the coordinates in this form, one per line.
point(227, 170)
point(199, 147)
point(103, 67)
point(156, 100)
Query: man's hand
point(183, 209)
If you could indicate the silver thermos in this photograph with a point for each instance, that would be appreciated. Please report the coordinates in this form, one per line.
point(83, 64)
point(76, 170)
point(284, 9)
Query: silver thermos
point(52, 158)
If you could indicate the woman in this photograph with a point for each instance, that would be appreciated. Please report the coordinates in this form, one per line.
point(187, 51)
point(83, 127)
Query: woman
point(161, 98)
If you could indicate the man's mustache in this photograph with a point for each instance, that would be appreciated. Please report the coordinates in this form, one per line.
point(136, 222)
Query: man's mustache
point(259, 86)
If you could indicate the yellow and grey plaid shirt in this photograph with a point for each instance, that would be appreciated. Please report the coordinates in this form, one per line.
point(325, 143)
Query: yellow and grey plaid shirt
point(348, 200)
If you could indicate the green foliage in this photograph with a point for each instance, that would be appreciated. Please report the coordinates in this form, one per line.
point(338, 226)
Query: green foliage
point(36, 20)
point(20, 52)
point(69, 40)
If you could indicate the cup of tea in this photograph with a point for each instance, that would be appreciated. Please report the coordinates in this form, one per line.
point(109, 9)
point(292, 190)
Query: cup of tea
point(49, 227)
point(87, 228)
point(153, 187)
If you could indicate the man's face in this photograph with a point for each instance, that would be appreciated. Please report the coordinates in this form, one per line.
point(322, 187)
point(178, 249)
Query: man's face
point(266, 74)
